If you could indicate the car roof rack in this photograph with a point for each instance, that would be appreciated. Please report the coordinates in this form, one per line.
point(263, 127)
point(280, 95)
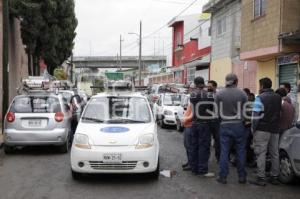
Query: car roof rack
point(40, 84)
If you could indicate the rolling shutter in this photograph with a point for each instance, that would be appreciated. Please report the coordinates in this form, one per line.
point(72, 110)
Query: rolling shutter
point(289, 73)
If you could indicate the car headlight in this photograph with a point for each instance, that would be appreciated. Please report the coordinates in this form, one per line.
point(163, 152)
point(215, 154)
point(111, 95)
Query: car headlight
point(145, 141)
point(167, 112)
point(82, 141)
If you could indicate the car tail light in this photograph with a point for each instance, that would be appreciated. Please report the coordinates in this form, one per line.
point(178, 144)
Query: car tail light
point(10, 117)
point(59, 117)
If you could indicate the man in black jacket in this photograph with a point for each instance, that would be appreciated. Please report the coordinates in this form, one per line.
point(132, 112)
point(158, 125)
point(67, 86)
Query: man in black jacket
point(265, 126)
point(201, 137)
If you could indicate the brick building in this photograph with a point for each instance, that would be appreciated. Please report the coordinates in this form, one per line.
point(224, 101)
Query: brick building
point(271, 36)
point(17, 57)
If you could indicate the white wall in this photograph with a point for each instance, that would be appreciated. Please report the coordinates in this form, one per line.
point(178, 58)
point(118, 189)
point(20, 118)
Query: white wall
point(224, 45)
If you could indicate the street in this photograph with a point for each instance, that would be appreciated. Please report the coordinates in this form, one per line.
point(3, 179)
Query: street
point(42, 173)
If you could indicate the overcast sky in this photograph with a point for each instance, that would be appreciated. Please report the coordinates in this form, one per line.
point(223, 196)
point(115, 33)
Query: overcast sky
point(100, 23)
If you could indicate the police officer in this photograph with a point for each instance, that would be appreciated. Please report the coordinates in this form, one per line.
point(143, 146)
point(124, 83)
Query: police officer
point(203, 107)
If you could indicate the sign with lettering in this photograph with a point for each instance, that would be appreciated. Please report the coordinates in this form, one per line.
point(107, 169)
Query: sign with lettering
point(289, 59)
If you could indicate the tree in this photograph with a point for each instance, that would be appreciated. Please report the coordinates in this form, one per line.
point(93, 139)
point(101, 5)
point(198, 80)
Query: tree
point(48, 29)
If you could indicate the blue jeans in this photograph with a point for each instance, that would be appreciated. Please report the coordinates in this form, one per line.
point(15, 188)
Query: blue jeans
point(233, 133)
point(187, 142)
point(200, 148)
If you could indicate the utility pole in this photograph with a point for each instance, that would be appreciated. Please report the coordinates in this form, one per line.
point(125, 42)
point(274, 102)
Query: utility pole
point(140, 55)
point(5, 72)
point(121, 40)
point(71, 73)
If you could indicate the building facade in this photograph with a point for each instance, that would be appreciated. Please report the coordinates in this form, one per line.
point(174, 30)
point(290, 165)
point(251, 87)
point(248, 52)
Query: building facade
point(271, 36)
point(17, 58)
point(226, 44)
point(190, 47)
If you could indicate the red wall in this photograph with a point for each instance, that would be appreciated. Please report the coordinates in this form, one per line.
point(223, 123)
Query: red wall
point(177, 55)
point(189, 52)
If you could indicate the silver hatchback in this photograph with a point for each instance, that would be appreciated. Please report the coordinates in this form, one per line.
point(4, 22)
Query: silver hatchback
point(37, 119)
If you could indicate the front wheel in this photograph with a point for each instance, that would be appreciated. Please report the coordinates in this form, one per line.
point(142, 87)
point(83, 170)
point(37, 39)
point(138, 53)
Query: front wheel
point(287, 174)
point(76, 175)
point(179, 127)
point(8, 149)
point(155, 174)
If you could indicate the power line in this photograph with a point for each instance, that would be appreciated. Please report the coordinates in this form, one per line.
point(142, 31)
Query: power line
point(171, 2)
point(169, 46)
point(180, 13)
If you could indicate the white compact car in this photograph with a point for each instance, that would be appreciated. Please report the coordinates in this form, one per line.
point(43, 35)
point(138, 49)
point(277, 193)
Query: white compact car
point(116, 134)
point(167, 108)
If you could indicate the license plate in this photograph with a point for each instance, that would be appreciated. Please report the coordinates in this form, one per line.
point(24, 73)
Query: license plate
point(34, 123)
point(112, 158)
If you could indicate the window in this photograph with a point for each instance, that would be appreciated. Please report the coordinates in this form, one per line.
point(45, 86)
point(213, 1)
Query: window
point(178, 39)
point(191, 75)
point(36, 104)
point(172, 100)
point(259, 8)
point(221, 25)
point(117, 110)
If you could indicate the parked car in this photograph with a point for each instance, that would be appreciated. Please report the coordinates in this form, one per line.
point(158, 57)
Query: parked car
point(155, 91)
point(116, 134)
point(167, 108)
point(290, 155)
point(67, 95)
point(37, 119)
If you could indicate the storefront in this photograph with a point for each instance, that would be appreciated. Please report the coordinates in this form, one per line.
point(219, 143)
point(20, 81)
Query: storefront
point(288, 69)
point(179, 74)
point(197, 68)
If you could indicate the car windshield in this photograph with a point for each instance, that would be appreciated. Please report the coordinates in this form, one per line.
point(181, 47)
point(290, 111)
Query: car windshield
point(117, 110)
point(172, 100)
point(36, 104)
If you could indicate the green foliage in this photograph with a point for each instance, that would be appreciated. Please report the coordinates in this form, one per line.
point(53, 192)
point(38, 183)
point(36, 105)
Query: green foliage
point(48, 29)
point(99, 82)
point(60, 74)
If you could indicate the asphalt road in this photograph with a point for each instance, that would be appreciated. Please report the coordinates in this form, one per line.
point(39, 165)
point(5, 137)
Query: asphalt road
point(39, 173)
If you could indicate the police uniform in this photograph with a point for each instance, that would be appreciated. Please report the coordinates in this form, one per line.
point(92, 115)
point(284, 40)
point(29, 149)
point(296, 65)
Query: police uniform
point(203, 107)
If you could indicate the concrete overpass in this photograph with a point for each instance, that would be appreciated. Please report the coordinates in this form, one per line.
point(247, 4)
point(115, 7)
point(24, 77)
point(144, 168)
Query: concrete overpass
point(128, 62)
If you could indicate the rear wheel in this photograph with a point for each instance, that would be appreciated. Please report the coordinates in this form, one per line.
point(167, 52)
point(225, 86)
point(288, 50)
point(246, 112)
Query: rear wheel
point(76, 175)
point(64, 148)
point(287, 174)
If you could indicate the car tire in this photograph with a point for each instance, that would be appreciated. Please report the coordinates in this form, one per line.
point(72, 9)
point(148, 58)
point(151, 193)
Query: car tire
point(76, 175)
point(179, 127)
point(64, 148)
point(287, 174)
point(162, 124)
point(8, 149)
point(155, 174)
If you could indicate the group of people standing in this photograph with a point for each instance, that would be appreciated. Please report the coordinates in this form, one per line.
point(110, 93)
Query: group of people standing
point(240, 122)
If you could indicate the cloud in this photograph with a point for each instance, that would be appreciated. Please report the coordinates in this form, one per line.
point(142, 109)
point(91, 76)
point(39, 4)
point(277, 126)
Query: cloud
point(102, 21)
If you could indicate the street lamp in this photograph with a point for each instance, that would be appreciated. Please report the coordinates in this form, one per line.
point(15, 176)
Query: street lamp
point(140, 51)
